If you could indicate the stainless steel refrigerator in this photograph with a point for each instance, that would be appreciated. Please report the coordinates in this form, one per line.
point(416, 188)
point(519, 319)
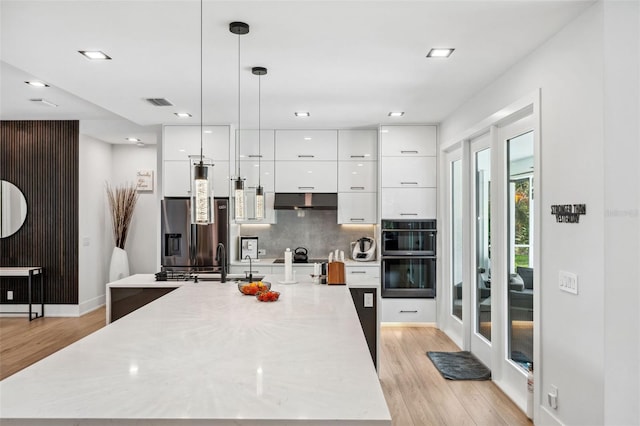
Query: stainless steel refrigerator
point(192, 247)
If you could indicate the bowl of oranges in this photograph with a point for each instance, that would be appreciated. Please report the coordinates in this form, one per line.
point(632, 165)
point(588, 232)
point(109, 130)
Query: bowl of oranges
point(268, 296)
point(253, 288)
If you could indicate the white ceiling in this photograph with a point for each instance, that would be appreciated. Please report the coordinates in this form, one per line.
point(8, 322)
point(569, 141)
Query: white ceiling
point(346, 62)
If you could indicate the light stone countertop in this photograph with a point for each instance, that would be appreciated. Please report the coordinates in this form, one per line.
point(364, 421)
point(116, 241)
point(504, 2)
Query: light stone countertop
point(206, 354)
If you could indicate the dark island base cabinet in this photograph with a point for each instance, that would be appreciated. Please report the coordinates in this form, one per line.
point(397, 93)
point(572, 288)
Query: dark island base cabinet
point(368, 317)
point(126, 300)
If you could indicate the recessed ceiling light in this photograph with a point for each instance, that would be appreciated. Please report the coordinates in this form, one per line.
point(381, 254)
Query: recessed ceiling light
point(35, 83)
point(94, 55)
point(182, 114)
point(44, 102)
point(307, 138)
point(302, 114)
point(396, 114)
point(133, 139)
point(440, 52)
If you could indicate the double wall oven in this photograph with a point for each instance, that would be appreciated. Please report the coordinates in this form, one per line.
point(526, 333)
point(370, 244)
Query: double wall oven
point(408, 258)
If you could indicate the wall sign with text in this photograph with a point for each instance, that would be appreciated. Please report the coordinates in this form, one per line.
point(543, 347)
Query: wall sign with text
point(568, 213)
point(144, 180)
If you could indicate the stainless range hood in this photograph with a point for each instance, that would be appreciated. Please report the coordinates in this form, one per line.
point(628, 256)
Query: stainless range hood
point(305, 200)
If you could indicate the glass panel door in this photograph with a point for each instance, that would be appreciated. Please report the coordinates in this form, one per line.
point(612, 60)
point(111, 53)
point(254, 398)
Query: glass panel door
point(456, 238)
point(482, 166)
point(520, 151)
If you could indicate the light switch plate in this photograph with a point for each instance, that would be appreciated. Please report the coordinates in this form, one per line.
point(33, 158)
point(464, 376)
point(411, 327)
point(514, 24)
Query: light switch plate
point(568, 282)
point(368, 300)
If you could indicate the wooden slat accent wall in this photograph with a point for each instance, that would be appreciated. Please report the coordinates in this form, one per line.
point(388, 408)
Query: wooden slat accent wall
point(41, 158)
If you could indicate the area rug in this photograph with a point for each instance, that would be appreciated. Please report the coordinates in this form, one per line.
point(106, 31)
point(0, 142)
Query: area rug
point(459, 366)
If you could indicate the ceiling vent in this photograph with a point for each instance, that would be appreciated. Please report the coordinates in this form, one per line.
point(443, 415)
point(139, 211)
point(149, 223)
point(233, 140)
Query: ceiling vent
point(159, 102)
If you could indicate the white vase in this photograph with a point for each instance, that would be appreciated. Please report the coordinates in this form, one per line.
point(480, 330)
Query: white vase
point(119, 267)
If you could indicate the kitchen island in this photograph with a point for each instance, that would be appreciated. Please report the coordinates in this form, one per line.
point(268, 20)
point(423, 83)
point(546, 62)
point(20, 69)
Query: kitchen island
point(206, 354)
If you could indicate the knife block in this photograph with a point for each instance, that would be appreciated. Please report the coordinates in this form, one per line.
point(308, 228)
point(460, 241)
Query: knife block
point(335, 274)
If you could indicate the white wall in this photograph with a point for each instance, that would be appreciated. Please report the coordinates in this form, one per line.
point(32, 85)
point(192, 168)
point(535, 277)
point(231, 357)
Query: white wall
point(622, 211)
point(94, 231)
point(569, 70)
point(141, 242)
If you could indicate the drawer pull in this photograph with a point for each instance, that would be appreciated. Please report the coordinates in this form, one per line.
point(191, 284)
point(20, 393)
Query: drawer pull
point(306, 156)
point(306, 187)
point(408, 152)
point(409, 312)
point(357, 187)
point(358, 272)
point(254, 156)
point(356, 219)
point(408, 183)
point(408, 214)
point(357, 156)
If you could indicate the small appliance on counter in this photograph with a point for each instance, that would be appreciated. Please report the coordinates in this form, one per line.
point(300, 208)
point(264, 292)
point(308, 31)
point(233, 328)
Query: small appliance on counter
point(249, 247)
point(363, 250)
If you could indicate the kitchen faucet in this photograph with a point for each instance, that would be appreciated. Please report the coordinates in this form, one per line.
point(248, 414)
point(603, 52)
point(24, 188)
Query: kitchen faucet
point(250, 271)
point(221, 256)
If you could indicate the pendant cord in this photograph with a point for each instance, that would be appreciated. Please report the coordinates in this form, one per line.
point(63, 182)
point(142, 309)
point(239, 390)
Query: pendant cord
point(259, 131)
point(201, 109)
point(239, 127)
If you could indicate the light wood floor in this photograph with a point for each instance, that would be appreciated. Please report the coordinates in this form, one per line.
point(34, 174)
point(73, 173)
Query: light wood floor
point(416, 393)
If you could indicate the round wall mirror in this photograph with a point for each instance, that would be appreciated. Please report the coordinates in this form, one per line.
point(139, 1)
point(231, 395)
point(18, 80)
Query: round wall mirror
point(13, 209)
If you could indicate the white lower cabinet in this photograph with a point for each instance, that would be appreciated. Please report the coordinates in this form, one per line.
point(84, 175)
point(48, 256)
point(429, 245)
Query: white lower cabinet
point(409, 310)
point(356, 273)
point(408, 203)
point(354, 208)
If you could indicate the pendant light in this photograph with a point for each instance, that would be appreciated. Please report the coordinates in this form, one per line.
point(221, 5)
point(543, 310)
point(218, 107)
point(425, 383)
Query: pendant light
point(239, 28)
point(259, 71)
point(201, 185)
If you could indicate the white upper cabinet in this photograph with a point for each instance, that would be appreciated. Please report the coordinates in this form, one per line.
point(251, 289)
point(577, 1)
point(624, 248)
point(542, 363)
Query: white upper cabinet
point(411, 172)
point(251, 169)
point(407, 141)
point(180, 142)
point(358, 145)
point(357, 208)
point(306, 176)
point(177, 177)
point(408, 203)
point(357, 176)
point(306, 145)
point(251, 147)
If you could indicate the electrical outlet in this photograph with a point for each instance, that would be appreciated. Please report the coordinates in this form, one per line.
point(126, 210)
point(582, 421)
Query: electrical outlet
point(9, 295)
point(262, 252)
point(568, 282)
point(552, 397)
point(368, 300)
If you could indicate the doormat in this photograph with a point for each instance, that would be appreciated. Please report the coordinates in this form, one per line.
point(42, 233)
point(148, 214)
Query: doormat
point(459, 366)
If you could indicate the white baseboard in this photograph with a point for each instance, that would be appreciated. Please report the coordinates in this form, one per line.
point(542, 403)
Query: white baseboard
point(546, 417)
point(91, 305)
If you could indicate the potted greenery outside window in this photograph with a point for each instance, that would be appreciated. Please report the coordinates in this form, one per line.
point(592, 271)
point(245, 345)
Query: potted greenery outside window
point(122, 202)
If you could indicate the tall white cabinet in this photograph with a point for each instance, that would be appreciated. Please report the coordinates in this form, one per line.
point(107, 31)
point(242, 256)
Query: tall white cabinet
point(357, 176)
point(181, 149)
point(408, 167)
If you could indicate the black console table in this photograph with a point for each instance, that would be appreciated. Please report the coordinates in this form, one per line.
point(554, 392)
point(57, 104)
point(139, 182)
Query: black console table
point(30, 272)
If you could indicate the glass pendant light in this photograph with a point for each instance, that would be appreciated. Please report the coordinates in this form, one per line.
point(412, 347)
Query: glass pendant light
point(259, 207)
point(202, 184)
point(240, 211)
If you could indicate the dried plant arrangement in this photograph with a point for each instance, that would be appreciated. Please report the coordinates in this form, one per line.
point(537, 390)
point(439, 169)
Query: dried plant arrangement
point(122, 202)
